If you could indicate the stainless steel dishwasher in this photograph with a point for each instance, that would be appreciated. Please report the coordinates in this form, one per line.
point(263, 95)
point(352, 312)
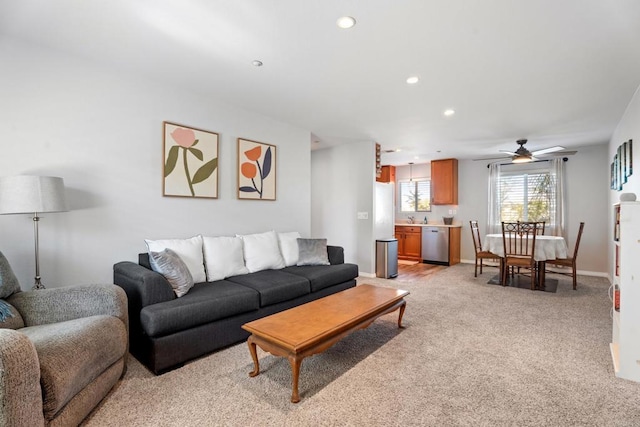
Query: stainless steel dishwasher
point(435, 245)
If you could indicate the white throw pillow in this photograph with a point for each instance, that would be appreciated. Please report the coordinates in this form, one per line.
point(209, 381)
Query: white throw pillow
point(223, 257)
point(289, 247)
point(261, 251)
point(189, 250)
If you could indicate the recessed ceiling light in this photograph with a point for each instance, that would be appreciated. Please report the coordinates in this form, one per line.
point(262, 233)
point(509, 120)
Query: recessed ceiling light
point(345, 22)
point(449, 112)
point(413, 80)
point(256, 63)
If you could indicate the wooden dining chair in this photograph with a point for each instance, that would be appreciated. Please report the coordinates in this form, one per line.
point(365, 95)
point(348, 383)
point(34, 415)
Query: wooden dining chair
point(480, 254)
point(519, 240)
point(570, 261)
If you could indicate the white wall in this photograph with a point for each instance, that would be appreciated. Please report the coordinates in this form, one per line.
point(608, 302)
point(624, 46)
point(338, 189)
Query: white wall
point(628, 128)
point(342, 184)
point(587, 183)
point(101, 130)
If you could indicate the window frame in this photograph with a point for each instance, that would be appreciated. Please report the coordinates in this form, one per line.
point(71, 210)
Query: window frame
point(416, 202)
point(525, 191)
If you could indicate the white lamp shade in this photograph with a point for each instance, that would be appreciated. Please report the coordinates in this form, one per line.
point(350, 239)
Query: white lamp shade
point(30, 194)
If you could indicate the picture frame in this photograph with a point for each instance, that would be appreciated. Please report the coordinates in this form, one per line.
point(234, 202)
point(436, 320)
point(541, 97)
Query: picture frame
point(629, 154)
point(620, 177)
point(612, 184)
point(190, 161)
point(625, 163)
point(257, 163)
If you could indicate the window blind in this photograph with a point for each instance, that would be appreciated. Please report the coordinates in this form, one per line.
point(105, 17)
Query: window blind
point(527, 197)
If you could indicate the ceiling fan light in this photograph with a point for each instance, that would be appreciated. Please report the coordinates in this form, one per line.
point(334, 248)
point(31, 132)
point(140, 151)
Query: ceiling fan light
point(521, 159)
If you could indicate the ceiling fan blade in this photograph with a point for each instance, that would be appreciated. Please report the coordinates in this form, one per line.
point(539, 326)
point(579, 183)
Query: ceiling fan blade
point(547, 150)
point(511, 153)
point(559, 153)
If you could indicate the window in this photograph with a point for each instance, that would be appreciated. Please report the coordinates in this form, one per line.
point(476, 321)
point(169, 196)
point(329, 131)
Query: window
point(415, 196)
point(527, 196)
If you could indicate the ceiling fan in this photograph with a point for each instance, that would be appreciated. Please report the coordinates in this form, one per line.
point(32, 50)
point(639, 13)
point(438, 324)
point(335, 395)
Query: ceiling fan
point(522, 155)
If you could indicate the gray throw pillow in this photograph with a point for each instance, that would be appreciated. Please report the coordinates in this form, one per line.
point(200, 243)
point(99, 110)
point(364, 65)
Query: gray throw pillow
point(8, 282)
point(170, 265)
point(8, 286)
point(312, 252)
point(12, 320)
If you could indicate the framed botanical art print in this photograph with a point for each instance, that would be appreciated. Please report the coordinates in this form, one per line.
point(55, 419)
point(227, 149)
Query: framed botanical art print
point(190, 162)
point(256, 170)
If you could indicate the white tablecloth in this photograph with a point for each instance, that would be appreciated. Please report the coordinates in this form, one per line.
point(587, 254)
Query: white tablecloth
point(547, 247)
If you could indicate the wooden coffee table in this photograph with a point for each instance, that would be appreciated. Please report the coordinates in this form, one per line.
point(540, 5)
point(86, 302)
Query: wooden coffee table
point(312, 328)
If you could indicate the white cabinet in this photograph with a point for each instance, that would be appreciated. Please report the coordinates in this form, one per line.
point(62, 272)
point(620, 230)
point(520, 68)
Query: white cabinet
point(625, 343)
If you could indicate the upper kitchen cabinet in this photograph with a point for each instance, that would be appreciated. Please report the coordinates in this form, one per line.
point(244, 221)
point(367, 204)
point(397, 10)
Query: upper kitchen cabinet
point(444, 182)
point(387, 174)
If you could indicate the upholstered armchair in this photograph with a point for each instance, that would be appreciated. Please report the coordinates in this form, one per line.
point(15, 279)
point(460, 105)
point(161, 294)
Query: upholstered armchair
point(61, 352)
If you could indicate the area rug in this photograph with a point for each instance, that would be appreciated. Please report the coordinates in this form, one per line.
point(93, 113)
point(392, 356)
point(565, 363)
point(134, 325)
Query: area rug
point(471, 354)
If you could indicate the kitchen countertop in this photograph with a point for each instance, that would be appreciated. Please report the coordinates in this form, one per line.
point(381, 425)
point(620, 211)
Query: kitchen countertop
point(406, 224)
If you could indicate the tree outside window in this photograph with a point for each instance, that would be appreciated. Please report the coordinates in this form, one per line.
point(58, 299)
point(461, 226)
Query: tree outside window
point(415, 196)
point(527, 197)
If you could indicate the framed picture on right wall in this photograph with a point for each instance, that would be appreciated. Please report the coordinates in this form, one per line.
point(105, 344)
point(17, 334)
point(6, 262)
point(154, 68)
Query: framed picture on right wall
point(256, 170)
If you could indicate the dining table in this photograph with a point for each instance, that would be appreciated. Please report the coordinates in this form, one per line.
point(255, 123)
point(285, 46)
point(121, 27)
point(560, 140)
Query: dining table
point(547, 248)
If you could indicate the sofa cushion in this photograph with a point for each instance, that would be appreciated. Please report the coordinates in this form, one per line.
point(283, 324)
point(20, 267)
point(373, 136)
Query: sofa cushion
point(189, 250)
point(288, 243)
point(12, 318)
point(274, 286)
point(223, 257)
point(74, 353)
point(312, 252)
point(170, 265)
point(261, 251)
point(205, 303)
point(8, 286)
point(324, 276)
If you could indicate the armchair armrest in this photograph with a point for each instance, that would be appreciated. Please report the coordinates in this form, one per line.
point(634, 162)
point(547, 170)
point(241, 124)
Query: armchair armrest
point(20, 392)
point(336, 254)
point(54, 305)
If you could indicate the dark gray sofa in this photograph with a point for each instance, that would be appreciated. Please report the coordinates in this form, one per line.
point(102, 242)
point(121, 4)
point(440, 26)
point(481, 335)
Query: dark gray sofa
point(165, 331)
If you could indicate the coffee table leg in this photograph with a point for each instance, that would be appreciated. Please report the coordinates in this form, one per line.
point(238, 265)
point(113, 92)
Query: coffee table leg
point(402, 307)
point(254, 356)
point(295, 362)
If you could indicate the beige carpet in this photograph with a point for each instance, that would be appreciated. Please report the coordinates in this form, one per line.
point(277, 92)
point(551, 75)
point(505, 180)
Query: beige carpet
point(471, 354)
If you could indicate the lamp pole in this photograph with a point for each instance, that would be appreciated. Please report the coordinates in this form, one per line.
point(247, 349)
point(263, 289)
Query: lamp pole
point(38, 284)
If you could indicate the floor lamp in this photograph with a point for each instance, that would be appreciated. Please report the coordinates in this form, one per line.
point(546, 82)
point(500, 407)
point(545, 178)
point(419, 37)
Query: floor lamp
point(25, 194)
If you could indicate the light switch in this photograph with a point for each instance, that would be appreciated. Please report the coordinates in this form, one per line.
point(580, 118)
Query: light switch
point(363, 215)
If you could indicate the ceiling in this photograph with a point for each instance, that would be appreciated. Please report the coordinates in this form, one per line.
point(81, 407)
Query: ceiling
point(553, 72)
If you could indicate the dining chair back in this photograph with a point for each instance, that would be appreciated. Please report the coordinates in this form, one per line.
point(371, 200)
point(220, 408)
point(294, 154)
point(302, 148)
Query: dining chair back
point(570, 262)
point(519, 240)
point(480, 254)
point(541, 227)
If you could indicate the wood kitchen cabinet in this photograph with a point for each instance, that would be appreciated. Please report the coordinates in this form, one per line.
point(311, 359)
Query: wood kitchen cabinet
point(444, 182)
point(388, 174)
point(409, 242)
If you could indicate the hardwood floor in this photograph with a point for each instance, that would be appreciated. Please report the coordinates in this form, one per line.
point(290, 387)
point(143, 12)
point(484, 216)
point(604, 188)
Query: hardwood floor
point(417, 271)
